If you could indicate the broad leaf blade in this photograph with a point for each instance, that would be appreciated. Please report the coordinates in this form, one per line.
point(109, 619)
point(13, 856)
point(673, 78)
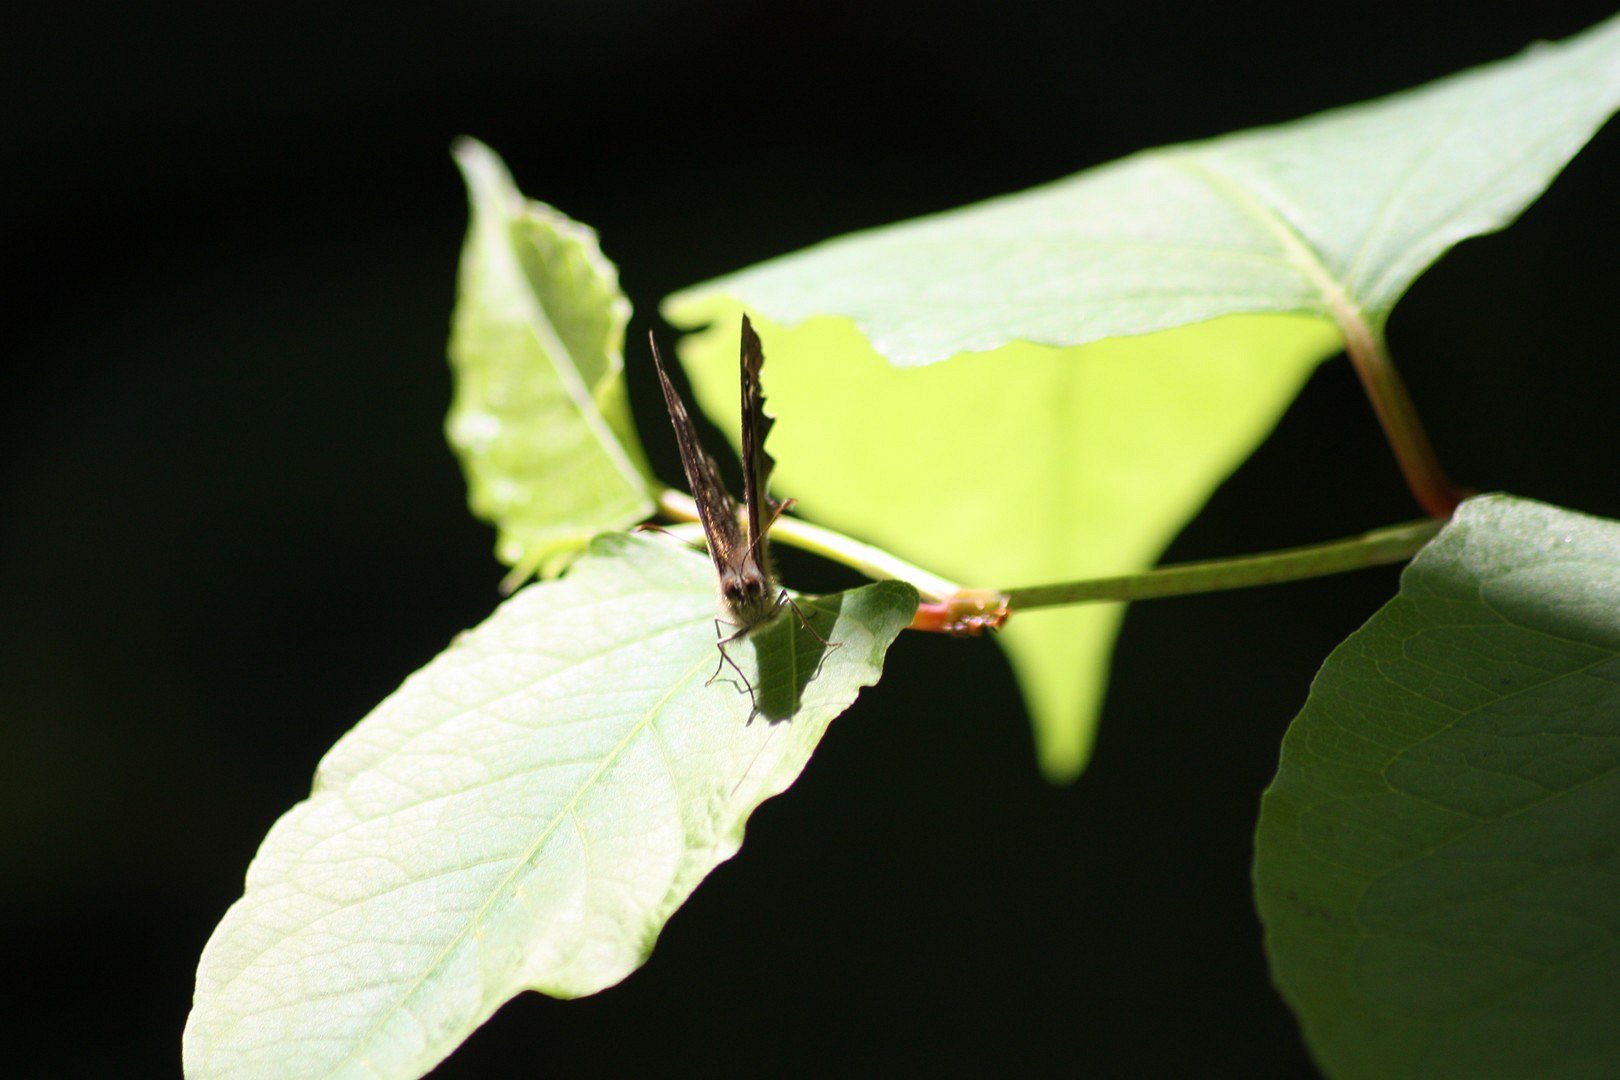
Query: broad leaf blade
point(1346, 207)
point(1436, 862)
point(539, 418)
point(1251, 253)
point(524, 813)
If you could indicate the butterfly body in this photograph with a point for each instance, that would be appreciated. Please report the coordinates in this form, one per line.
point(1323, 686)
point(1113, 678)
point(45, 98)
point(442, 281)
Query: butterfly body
point(749, 593)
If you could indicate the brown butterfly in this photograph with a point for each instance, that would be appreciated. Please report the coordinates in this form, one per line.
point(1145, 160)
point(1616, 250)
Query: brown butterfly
point(749, 593)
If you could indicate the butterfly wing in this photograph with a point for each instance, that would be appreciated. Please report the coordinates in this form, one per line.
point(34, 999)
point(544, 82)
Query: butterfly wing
point(716, 509)
point(757, 464)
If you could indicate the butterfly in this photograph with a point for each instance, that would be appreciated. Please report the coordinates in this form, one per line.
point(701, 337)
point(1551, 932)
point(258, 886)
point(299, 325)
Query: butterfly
point(750, 595)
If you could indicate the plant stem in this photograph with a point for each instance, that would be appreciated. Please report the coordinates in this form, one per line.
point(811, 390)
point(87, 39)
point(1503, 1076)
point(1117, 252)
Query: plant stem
point(1414, 453)
point(1393, 544)
point(871, 561)
point(950, 608)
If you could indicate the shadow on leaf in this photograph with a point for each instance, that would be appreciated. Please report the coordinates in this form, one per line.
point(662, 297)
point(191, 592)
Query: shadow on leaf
point(781, 657)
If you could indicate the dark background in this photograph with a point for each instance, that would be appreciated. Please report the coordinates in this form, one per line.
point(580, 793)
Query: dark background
point(230, 524)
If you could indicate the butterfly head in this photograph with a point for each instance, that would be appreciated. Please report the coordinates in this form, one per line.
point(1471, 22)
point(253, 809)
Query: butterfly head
point(748, 595)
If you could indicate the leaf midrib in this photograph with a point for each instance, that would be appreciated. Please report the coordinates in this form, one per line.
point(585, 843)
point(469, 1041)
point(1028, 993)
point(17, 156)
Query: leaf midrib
point(1336, 299)
point(568, 371)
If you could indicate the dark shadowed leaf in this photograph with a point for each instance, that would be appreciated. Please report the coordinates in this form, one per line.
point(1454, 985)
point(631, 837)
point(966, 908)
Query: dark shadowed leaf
point(1438, 860)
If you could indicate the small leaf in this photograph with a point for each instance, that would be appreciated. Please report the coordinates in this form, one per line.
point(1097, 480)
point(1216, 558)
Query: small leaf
point(1436, 862)
point(525, 812)
point(539, 417)
point(1183, 296)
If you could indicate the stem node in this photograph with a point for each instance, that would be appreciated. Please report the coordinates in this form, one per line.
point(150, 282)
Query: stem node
point(968, 613)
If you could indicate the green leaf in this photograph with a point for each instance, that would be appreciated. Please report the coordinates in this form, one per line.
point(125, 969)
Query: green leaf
point(1347, 206)
point(1437, 861)
point(1236, 265)
point(525, 812)
point(539, 419)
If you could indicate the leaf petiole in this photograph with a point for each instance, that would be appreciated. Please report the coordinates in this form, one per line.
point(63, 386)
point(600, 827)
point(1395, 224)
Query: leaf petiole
point(1425, 476)
point(872, 561)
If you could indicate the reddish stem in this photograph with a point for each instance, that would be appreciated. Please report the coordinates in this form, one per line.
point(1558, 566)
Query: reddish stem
point(1426, 479)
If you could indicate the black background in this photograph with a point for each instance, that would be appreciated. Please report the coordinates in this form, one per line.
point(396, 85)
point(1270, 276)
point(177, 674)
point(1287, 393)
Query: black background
point(230, 524)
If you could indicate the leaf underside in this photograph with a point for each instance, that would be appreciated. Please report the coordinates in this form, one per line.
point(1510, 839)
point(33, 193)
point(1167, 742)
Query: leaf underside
point(1131, 334)
point(523, 813)
point(1437, 860)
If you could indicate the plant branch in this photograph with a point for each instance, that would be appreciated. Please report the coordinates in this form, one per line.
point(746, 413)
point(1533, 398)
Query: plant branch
point(1396, 543)
point(952, 609)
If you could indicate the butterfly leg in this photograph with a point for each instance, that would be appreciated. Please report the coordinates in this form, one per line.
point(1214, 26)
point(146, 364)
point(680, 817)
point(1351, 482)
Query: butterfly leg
point(725, 658)
point(720, 636)
point(787, 600)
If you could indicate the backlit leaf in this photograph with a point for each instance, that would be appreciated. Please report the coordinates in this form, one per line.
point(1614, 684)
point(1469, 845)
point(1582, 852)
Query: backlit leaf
point(539, 419)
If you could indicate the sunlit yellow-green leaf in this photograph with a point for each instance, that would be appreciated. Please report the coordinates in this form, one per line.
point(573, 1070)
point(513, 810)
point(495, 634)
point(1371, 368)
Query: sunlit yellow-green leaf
point(1177, 300)
point(1020, 464)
